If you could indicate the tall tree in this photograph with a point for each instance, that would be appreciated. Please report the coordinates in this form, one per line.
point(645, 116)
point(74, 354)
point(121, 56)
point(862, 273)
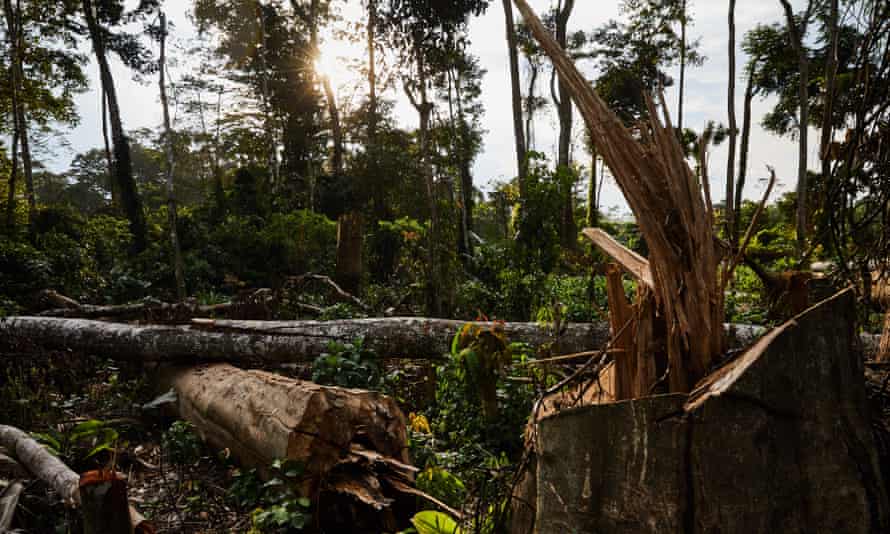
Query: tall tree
point(178, 269)
point(95, 14)
point(729, 207)
point(15, 36)
point(568, 230)
point(516, 98)
point(797, 30)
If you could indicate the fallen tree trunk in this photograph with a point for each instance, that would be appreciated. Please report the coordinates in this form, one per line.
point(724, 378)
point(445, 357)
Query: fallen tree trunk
point(276, 341)
point(351, 442)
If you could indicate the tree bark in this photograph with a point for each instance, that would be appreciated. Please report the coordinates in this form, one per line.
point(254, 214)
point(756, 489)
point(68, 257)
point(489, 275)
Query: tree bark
point(592, 211)
point(516, 96)
point(350, 244)
point(276, 342)
point(730, 207)
point(123, 167)
point(336, 128)
point(178, 269)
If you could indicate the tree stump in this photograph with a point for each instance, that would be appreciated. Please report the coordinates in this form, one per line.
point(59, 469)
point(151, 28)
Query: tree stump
point(776, 440)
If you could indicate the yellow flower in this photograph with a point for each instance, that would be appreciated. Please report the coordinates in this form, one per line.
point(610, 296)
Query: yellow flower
point(419, 423)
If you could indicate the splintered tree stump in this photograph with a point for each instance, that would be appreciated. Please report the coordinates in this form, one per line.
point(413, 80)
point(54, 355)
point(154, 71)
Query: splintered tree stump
point(776, 440)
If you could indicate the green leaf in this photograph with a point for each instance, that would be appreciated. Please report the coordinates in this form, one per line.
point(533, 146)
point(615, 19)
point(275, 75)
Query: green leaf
point(433, 522)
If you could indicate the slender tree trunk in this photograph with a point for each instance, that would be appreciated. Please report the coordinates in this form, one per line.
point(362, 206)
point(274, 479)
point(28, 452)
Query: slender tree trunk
point(592, 212)
point(112, 185)
point(384, 244)
point(13, 182)
point(424, 110)
point(569, 230)
point(564, 105)
point(682, 88)
point(336, 128)
point(178, 270)
point(516, 95)
point(270, 126)
point(123, 167)
point(743, 155)
point(20, 123)
point(830, 83)
point(733, 132)
point(797, 35)
point(530, 106)
point(218, 190)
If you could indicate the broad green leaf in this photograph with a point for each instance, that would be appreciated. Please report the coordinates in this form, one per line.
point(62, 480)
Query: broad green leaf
point(433, 522)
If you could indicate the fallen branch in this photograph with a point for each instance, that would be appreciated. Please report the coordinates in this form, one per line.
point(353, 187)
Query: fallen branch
point(730, 269)
point(9, 501)
point(39, 462)
point(328, 281)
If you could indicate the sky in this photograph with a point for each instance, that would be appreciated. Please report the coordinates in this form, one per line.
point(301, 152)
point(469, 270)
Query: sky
point(706, 93)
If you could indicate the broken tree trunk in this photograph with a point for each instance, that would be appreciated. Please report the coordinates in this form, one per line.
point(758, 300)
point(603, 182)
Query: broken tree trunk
point(666, 200)
point(275, 341)
point(637, 366)
point(777, 440)
point(351, 442)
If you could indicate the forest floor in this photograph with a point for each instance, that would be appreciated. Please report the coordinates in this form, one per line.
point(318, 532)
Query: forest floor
point(174, 480)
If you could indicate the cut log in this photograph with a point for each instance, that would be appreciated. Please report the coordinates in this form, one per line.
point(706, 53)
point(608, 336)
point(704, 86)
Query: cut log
point(275, 341)
point(41, 463)
point(351, 442)
point(261, 417)
point(777, 440)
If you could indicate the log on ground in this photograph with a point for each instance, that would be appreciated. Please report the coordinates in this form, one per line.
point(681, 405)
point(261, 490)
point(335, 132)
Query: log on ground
point(276, 341)
point(351, 442)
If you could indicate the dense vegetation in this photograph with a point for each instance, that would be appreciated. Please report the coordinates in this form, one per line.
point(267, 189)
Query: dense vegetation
point(287, 180)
